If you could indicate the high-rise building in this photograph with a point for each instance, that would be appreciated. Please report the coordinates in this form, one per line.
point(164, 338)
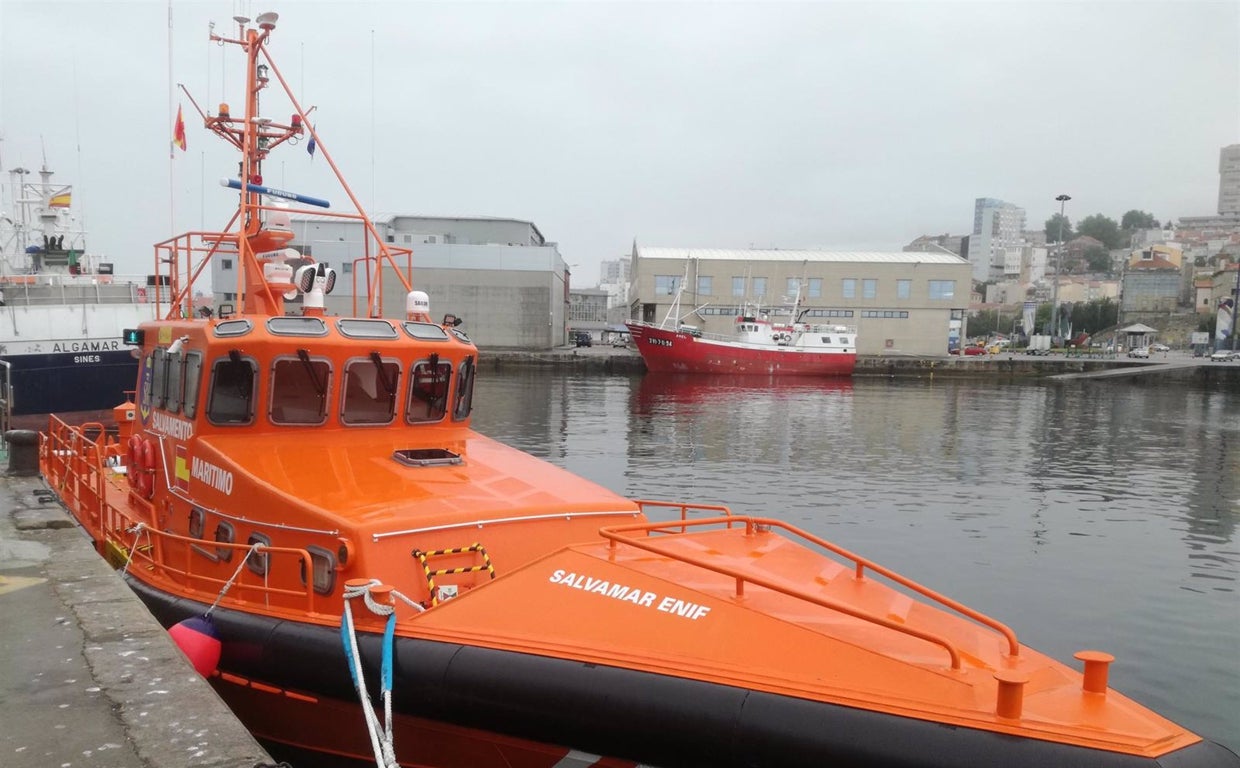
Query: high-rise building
point(1229, 180)
point(996, 227)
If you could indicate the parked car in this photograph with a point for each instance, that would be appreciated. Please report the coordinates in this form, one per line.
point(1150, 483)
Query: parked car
point(1159, 348)
point(975, 350)
point(1139, 352)
point(1224, 356)
point(582, 339)
point(619, 341)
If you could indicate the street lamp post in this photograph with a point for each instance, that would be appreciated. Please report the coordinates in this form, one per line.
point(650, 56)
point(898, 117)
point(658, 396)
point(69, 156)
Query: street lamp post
point(1058, 267)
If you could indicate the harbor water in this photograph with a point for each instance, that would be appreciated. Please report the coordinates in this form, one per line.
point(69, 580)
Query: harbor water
point(1095, 515)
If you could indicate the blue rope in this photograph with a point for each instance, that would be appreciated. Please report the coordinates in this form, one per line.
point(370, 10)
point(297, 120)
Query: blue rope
point(347, 637)
point(389, 633)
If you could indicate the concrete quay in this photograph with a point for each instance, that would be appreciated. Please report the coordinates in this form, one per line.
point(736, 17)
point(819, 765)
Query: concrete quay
point(88, 677)
point(605, 359)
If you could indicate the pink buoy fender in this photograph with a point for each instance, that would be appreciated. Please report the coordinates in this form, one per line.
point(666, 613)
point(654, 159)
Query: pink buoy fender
point(200, 643)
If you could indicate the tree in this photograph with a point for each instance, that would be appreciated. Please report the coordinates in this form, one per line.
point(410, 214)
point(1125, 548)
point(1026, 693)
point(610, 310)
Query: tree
point(1134, 220)
point(1098, 260)
point(1094, 316)
point(1100, 228)
point(1052, 229)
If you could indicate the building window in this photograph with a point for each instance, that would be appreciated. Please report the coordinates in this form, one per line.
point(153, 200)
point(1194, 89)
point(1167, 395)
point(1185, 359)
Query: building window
point(666, 285)
point(793, 286)
point(815, 288)
point(759, 286)
point(942, 289)
point(904, 289)
point(225, 264)
point(738, 286)
point(885, 313)
point(705, 286)
point(346, 268)
point(869, 288)
point(848, 287)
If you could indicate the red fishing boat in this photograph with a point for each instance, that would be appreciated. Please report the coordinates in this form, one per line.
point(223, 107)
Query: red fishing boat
point(759, 345)
point(301, 499)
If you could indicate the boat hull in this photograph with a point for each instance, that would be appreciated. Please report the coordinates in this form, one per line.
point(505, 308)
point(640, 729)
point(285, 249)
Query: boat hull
point(458, 705)
point(669, 351)
point(92, 378)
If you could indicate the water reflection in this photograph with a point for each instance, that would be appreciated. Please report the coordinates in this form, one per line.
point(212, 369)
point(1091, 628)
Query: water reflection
point(1090, 515)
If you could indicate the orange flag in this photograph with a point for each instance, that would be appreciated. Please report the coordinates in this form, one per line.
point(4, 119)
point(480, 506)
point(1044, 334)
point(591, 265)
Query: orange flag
point(178, 133)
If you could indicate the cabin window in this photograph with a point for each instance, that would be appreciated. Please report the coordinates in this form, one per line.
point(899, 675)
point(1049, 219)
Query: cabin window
point(366, 329)
point(464, 402)
point(159, 378)
point(233, 327)
point(297, 326)
point(428, 390)
point(324, 565)
point(299, 389)
point(425, 331)
point(231, 399)
point(224, 534)
point(370, 386)
point(197, 522)
point(259, 562)
point(176, 382)
point(193, 375)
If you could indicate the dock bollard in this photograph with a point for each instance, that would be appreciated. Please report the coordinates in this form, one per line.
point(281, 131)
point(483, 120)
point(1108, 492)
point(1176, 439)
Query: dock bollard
point(23, 452)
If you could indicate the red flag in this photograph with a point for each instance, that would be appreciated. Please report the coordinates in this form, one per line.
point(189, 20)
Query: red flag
point(178, 133)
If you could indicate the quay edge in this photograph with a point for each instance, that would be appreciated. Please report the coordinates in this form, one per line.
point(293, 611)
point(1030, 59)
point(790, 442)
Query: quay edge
point(90, 678)
point(614, 361)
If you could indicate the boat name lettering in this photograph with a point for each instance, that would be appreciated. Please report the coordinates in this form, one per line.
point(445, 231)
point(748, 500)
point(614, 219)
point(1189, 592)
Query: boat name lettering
point(85, 346)
point(172, 427)
point(86, 358)
point(219, 479)
point(661, 342)
point(672, 605)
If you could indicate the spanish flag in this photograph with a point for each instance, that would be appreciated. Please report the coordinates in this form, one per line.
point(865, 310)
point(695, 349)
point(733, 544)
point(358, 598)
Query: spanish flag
point(178, 133)
point(61, 200)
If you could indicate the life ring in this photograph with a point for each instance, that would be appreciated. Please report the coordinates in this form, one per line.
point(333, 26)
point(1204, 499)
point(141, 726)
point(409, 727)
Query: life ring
point(141, 471)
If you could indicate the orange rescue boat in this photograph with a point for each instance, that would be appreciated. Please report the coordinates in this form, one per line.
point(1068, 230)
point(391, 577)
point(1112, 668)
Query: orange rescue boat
point(300, 497)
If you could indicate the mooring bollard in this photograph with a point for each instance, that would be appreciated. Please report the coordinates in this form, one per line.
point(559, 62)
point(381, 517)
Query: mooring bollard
point(23, 452)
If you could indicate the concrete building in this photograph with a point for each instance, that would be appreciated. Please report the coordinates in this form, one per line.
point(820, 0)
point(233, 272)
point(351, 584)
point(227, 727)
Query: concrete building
point(508, 283)
point(900, 303)
point(1229, 180)
point(1151, 283)
point(587, 311)
point(996, 225)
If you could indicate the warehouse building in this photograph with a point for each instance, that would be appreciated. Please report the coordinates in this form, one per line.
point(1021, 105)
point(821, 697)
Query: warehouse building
point(908, 303)
point(501, 276)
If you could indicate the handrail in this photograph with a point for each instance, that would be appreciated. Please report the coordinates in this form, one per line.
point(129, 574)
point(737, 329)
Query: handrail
point(615, 535)
point(684, 508)
point(76, 465)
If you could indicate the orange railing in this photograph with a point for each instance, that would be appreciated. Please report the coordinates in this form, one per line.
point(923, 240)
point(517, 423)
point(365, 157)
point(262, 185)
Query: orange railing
point(684, 507)
point(78, 469)
point(616, 535)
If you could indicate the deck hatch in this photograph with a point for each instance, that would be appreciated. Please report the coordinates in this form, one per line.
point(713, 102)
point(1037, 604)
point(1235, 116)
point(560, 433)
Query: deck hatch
point(233, 328)
point(426, 457)
point(297, 326)
point(425, 331)
point(366, 329)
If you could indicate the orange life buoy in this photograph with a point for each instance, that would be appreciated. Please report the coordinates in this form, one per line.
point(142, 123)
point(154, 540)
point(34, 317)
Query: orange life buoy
point(141, 470)
point(133, 455)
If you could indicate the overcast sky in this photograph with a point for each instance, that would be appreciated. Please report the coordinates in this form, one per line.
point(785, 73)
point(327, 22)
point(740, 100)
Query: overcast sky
point(769, 124)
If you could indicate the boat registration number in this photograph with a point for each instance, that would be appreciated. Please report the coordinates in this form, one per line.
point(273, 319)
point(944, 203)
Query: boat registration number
point(661, 342)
